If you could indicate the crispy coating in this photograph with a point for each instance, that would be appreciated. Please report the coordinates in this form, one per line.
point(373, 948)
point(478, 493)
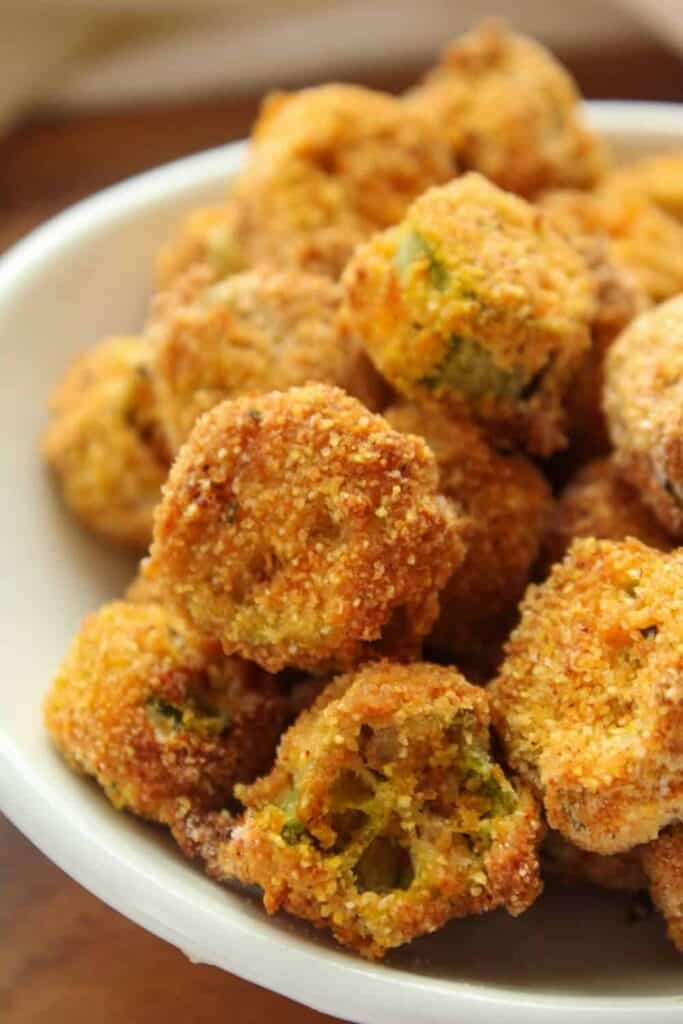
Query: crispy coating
point(475, 302)
point(620, 298)
point(104, 443)
point(663, 864)
point(185, 289)
point(201, 834)
point(621, 871)
point(205, 238)
point(143, 589)
point(385, 814)
point(257, 331)
point(328, 167)
point(300, 529)
point(643, 403)
point(162, 720)
point(660, 178)
point(506, 502)
point(589, 700)
point(511, 112)
point(641, 236)
point(598, 503)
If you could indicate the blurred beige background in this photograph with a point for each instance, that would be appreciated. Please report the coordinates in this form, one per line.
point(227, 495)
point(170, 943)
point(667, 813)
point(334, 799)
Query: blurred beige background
point(71, 54)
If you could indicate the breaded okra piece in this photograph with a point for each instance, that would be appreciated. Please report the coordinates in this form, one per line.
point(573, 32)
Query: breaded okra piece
point(511, 111)
point(258, 331)
point(104, 442)
point(300, 530)
point(641, 236)
point(598, 503)
point(162, 720)
point(205, 238)
point(327, 167)
point(644, 408)
point(506, 503)
point(659, 177)
point(620, 299)
point(143, 589)
point(589, 700)
point(385, 814)
point(476, 303)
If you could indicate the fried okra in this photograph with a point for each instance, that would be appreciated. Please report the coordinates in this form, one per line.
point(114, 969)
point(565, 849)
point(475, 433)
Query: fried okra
point(641, 236)
point(256, 331)
point(620, 298)
point(589, 700)
point(143, 589)
point(300, 530)
point(205, 238)
point(511, 111)
point(162, 720)
point(620, 871)
point(385, 814)
point(476, 303)
point(660, 178)
point(598, 503)
point(104, 443)
point(643, 403)
point(506, 502)
point(663, 864)
point(328, 166)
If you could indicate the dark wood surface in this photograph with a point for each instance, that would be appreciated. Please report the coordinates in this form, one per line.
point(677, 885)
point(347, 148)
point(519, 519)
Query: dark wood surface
point(66, 958)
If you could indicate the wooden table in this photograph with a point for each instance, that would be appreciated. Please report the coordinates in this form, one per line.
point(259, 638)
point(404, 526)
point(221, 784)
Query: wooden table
point(66, 958)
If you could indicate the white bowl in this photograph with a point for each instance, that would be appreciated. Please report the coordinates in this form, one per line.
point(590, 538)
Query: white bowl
point(81, 276)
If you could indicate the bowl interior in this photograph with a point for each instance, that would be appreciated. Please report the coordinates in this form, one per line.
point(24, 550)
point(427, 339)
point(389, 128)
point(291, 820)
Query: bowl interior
point(86, 275)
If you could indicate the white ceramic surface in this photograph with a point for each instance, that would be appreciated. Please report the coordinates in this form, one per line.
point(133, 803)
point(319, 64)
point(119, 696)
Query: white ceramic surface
point(81, 276)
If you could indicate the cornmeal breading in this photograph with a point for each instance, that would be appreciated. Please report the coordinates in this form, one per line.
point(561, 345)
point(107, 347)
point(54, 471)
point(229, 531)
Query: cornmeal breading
point(300, 530)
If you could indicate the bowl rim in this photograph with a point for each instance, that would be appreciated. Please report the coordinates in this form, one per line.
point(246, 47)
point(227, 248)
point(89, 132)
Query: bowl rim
point(328, 980)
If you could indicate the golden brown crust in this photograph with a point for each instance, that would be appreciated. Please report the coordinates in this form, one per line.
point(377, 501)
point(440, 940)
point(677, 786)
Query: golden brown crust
point(143, 589)
point(598, 503)
point(619, 299)
point(104, 442)
point(619, 296)
point(162, 720)
point(660, 178)
point(206, 238)
point(262, 330)
point(663, 864)
point(477, 304)
point(511, 112)
point(202, 834)
point(300, 529)
point(640, 236)
point(359, 143)
point(506, 502)
point(385, 815)
point(643, 403)
point(327, 168)
point(589, 700)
